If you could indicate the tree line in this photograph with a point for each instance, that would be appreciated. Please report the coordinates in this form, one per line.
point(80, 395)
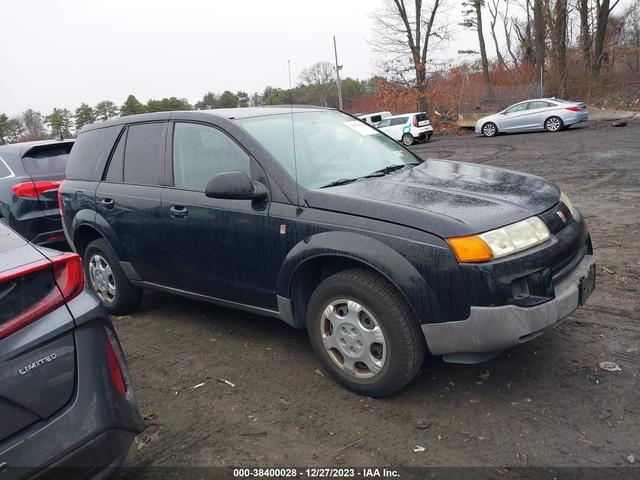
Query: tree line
point(316, 86)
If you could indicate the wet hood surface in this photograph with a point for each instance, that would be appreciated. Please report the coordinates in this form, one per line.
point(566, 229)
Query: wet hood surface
point(443, 197)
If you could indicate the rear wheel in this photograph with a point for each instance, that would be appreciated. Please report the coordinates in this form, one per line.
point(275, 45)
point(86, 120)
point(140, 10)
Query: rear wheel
point(489, 129)
point(364, 333)
point(553, 124)
point(408, 139)
point(107, 279)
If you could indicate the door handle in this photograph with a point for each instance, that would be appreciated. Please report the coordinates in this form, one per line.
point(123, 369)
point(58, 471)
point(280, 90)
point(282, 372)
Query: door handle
point(178, 211)
point(107, 202)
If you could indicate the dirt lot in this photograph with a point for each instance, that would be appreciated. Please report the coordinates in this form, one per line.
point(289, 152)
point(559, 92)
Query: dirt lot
point(543, 403)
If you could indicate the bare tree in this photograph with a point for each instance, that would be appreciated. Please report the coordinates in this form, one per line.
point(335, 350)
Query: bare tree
point(494, 12)
point(409, 32)
point(320, 78)
point(508, 24)
point(559, 20)
point(524, 33)
point(473, 19)
point(585, 34)
point(603, 9)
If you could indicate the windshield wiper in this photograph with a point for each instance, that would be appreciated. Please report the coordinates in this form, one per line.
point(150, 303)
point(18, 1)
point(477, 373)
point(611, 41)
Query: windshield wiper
point(389, 169)
point(340, 181)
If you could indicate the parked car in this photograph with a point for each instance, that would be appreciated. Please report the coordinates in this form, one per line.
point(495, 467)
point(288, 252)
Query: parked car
point(408, 128)
point(30, 174)
point(373, 118)
point(66, 405)
point(550, 114)
point(341, 230)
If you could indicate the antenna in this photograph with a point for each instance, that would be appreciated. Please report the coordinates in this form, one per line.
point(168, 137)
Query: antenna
point(338, 68)
point(293, 138)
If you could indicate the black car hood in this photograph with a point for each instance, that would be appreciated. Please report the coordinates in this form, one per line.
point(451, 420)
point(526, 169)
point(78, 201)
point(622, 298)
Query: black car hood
point(443, 197)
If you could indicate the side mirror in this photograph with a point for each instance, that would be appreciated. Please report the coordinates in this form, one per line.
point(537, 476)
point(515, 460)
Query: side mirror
point(235, 185)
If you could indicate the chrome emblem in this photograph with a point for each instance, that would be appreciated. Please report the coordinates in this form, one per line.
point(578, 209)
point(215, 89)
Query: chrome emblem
point(562, 217)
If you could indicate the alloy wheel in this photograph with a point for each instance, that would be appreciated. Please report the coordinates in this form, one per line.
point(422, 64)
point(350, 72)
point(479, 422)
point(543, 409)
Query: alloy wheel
point(353, 338)
point(553, 124)
point(489, 129)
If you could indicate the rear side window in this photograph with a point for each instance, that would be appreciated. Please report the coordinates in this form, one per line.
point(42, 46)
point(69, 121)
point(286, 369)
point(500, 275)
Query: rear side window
point(115, 174)
point(5, 171)
point(399, 121)
point(376, 118)
point(51, 161)
point(143, 153)
point(200, 152)
point(90, 153)
point(539, 104)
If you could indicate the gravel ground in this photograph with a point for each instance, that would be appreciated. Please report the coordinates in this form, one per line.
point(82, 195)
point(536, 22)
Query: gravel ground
point(221, 387)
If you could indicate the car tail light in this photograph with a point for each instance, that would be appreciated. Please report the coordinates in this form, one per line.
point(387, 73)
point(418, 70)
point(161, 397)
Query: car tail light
point(114, 364)
point(415, 121)
point(574, 109)
point(36, 188)
point(68, 276)
point(60, 204)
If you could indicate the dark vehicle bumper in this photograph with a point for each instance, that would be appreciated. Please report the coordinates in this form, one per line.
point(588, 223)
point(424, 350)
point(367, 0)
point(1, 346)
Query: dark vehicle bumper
point(91, 435)
point(38, 227)
point(489, 330)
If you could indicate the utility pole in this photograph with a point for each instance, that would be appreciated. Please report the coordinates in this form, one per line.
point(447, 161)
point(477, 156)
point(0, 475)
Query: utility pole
point(338, 68)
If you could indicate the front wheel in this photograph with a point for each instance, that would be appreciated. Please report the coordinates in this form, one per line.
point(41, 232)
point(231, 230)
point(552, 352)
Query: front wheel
point(553, 124)
point(408, 140)
point(489, 129)
point(364, 333)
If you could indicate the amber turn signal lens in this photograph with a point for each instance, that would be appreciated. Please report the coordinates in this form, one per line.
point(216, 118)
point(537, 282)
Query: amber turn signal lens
point(470, 249)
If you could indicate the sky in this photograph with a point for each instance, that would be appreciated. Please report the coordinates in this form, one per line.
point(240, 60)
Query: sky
point(59, 53)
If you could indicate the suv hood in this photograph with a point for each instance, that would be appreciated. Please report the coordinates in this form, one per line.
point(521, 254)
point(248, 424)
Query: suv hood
point(443, 197)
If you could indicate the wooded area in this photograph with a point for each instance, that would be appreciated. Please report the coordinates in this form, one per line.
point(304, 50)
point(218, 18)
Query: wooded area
point(580, 49)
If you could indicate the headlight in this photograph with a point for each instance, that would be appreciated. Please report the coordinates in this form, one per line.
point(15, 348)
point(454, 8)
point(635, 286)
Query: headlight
point(500, 242)
point(565, 199)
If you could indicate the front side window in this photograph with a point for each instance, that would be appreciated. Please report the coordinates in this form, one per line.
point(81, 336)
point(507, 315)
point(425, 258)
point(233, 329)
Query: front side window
point(200, 152)
point(143, 153)
point(518, 107)
point(320, 147)
point(384, 123)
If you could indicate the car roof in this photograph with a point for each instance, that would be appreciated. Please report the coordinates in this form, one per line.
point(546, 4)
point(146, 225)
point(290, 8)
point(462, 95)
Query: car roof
point(23, 148)
point(371, 114)
point(227, 113)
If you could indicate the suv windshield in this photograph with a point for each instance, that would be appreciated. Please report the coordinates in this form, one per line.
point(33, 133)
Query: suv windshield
point(329, 146)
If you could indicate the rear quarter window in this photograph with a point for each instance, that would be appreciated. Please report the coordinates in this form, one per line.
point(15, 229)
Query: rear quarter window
point(143, 153)
point(5, 171)
point(399, 121)
point(90, 153)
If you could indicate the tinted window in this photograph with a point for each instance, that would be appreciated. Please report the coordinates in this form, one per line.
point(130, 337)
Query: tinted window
point(518, 108)
point(47, 161)
point(399, 121)
point(376, 118)
point(421, 117)
point(4, 169)
point(201, 152)
point(539, 104)
point(90, 153)
point(143, 152)
point(115, 173)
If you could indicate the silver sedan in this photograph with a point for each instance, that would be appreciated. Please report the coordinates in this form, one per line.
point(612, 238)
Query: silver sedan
point(550, 114)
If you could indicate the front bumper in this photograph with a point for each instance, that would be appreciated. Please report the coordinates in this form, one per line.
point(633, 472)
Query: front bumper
point(489, 330)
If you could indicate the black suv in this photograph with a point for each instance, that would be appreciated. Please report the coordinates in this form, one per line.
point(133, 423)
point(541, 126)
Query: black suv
point(312, 216)
point(30, 174)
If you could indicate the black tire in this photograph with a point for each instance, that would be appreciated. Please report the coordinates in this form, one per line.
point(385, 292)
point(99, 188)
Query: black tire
point(404, 344)
point(428, 138)
point(126, 297)
point(408, 139)
point(489, 129)
point(553, 124)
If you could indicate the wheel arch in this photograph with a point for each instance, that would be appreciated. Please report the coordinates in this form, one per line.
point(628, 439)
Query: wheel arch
point(320, 256)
